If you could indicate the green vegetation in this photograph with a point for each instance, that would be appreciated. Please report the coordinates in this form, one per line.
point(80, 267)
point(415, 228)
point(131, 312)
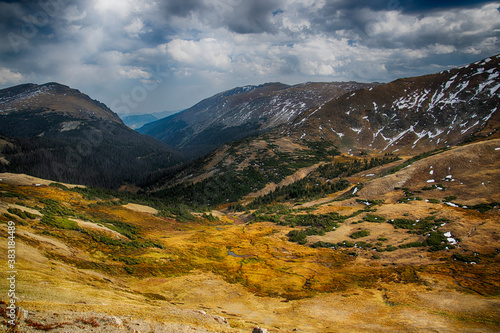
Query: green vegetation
point(484, 207)
point(60, 222)
point(126, 229)
point(59, 185)
point(466, 258)
point(360, 234)
point(428, 227)
point(409, 195)
point(305, 189)
point(416, 158)
point(320, 183)
point(22, 214)
point(105, 197)
point(230, 184)
point(346, 169)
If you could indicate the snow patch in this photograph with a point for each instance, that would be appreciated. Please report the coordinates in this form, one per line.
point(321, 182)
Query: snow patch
point(450, 239)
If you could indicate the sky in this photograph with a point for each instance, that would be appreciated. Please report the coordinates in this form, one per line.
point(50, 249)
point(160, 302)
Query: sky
point(144, 56)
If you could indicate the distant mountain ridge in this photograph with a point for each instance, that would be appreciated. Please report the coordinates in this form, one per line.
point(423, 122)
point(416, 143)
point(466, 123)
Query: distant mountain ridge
point(138, 120)
point(135, 121)
point(240, 112)
point(55, 132)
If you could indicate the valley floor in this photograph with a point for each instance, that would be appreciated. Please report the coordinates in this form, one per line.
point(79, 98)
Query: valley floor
point(90, 263)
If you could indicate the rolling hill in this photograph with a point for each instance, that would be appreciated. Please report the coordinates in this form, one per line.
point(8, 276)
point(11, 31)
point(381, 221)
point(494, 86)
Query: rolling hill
point(398, 254)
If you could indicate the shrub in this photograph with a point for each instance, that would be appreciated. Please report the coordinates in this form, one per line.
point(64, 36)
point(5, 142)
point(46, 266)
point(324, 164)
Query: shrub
point(360, 234)
point(324, 244)
point(22, 214)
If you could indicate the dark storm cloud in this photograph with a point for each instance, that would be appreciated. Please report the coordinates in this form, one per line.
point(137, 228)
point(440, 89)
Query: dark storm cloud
point(204, 46)
point(238, 16)
point(416, 6)
point(252, 17)
point(183, 8)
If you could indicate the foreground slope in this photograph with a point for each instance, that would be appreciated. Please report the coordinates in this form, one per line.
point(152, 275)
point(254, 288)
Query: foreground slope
point(55, 132)
point(241, 112)
point(428, 256)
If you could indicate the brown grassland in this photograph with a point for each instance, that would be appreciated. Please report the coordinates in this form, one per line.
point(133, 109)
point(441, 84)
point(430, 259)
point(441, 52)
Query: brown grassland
point(103, 265)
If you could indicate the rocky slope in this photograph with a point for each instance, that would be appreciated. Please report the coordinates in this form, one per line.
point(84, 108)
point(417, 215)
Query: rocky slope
point(55, 132)
point(411, 114)
point(241, 112)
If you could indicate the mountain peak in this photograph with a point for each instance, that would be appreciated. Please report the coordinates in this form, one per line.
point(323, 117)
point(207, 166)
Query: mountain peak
point(53, 97)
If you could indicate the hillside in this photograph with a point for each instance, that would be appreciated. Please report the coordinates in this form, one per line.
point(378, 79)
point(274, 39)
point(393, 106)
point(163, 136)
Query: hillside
point(241, 112)
point(410, 115)
point(55, 132)
point(402, 118)
point(400, 254)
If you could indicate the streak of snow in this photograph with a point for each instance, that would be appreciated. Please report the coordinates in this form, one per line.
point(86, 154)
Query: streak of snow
point(338, 133)
point(467, 129)
point(399, 136)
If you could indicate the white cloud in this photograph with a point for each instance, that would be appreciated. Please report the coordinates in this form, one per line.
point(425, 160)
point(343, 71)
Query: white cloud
point(136, 27)
point(134, 73)
point(9, 77)
point(74, 14)
point(205, 52)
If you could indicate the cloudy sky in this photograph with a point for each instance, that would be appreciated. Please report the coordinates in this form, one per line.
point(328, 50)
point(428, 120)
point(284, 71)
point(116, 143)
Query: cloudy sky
point(142, 56)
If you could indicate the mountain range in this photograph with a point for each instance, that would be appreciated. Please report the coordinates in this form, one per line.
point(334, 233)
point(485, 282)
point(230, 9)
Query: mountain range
point(405, 117)
point(242, 112)
point(135, 121)
point(52, 122)
point(320, 207)
point(410, 115)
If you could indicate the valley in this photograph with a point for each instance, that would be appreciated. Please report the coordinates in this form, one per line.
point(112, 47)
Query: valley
point(81, 250)
point(318, 207)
